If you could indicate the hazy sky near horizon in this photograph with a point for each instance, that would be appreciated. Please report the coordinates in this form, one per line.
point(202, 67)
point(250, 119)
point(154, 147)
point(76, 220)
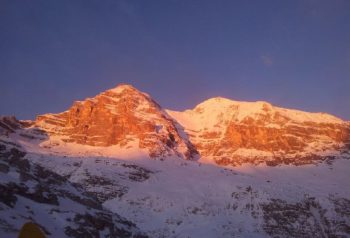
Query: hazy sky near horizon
point(292, 53)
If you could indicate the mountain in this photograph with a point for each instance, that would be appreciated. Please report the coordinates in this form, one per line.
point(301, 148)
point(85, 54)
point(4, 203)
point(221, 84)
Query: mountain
point(120, 116)
point(232, 132)
point(125, 121)
point(118, 165)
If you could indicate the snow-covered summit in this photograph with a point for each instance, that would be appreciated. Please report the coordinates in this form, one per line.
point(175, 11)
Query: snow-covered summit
point(236, 131)
point(244, 109)
point(122, 87)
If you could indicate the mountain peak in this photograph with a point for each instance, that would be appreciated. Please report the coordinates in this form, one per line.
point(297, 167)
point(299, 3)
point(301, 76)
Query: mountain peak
point(245, 109)
point(235, 132)
point(214, 102)
point(122, 87)
point(122, 116)
point(224, 102)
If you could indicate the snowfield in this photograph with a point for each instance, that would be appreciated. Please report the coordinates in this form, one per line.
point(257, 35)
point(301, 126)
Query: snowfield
point(177, 198)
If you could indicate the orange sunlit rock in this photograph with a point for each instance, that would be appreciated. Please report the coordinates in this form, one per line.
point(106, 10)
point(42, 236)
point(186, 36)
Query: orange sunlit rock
point(117, 117)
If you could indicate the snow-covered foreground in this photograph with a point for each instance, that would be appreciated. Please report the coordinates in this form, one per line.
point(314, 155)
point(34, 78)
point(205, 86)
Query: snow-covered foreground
point(177, 198)
point(55, 184)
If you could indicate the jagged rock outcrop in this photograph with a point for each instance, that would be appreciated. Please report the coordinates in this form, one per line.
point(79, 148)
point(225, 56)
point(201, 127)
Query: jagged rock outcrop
point(8, 124)
point(120, 116)
point(232, 132)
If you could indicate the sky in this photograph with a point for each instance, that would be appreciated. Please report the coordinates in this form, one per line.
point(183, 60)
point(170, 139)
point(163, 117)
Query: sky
point(291, 53)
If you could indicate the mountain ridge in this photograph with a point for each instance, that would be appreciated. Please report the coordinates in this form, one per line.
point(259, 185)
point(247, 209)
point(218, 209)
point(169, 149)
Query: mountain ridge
point(219, 130)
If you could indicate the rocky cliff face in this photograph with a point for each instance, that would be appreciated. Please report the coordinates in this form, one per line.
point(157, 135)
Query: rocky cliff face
point(221, 130)
point(121, 116)
point(231, 132)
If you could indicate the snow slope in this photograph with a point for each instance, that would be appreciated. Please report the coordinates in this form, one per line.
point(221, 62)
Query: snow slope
point(177, 198)
point(30, 192)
